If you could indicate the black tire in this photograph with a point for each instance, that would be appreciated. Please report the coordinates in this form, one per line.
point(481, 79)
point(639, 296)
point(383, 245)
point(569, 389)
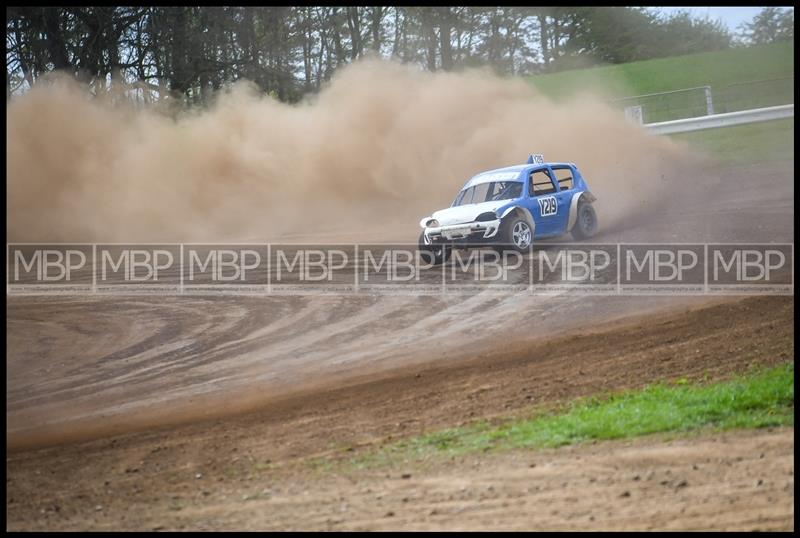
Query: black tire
point(513, 229)
point(437, 254)
point(586, 223)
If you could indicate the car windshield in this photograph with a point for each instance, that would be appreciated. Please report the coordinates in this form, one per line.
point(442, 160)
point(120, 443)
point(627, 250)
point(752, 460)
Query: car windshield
point(489, 192)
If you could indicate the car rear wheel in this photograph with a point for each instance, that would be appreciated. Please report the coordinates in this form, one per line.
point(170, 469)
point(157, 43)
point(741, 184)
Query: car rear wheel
point(586, 223)
point(436, 254)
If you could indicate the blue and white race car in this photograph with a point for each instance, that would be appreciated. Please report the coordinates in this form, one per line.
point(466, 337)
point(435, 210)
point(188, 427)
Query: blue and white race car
point(511, 207)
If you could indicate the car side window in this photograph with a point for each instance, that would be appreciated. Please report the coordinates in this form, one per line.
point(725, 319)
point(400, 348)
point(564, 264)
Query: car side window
point(563, 176)
point(541, 183)
point(505, 190)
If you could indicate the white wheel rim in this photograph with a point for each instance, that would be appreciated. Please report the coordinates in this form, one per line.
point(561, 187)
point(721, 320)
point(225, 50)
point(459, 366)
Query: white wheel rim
point(521, 235)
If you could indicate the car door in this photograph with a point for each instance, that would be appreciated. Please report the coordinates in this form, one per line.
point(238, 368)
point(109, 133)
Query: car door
point(543, 202)
point(564, 178)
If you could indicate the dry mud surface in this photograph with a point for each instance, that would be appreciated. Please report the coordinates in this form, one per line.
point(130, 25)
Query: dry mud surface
point(84, 366)
point(202, 412)
point(255, 470)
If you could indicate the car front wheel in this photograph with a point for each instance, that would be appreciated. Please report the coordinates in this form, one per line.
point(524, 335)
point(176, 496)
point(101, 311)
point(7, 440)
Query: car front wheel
point(435, 254)
point(515, 233)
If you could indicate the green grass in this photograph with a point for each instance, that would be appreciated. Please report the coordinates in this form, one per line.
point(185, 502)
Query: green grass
point(752, 143)
point(740, 79)
point(717, 69)
point(759, 399)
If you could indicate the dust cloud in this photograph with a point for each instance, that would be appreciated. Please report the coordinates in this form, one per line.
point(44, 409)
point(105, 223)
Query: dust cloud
point(376, 150)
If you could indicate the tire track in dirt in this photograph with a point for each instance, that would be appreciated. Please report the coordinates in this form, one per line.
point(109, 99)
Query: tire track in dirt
point(111, 359)
point(140, 479)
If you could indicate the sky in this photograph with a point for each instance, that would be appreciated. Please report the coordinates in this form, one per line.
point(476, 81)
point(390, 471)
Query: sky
point(731, 17)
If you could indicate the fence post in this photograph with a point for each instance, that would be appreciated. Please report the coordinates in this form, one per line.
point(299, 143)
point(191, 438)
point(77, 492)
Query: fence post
point(709, 102)
point(634, 114)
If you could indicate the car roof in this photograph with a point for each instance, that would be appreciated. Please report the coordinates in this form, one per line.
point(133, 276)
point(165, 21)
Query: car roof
point(508, 173)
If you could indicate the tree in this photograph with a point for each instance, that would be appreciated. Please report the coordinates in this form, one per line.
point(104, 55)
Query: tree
point(192, 52)
point(682, 34)
point(770, 25)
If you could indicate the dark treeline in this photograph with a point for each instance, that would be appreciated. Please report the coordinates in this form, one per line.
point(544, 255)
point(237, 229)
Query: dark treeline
point(291, 51)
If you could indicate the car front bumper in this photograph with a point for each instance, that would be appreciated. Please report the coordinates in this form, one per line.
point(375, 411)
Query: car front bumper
point(469, 231)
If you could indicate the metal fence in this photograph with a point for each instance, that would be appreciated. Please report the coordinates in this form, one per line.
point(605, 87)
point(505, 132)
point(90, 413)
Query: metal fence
point(707, 100)
point(665, 106)
point(756, 94)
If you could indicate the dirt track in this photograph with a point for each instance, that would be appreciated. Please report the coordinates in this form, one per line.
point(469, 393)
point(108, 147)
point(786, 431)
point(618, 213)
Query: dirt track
point(198, 475)
point(331, 374)
point(79, 367)
point(712, 482)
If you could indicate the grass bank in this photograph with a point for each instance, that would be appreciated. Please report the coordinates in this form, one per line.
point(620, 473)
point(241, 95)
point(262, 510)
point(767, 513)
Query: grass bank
point(761, 398)
point(752, 143)
point(717, 69)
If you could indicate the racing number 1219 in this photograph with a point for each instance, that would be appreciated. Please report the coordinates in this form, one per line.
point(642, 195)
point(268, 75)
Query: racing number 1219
point(547, 206)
